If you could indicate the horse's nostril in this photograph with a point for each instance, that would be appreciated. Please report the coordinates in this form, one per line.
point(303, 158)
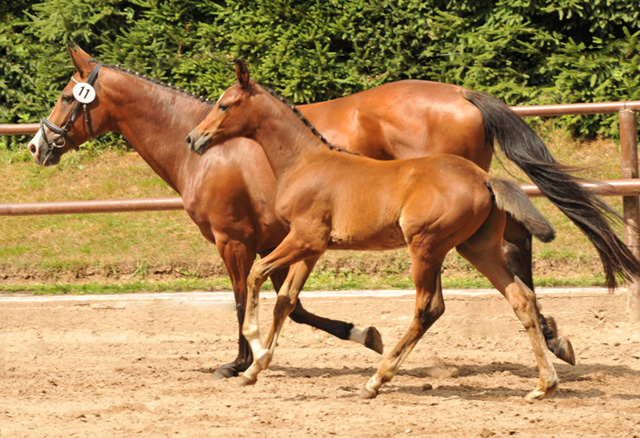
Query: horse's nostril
point(33, 149)
point(189, 141)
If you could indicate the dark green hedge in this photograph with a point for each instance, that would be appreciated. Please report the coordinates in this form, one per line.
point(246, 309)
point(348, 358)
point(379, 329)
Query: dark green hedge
point(522, 51)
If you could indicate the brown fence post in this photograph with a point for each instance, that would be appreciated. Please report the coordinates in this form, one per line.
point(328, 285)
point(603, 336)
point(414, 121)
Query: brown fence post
point(629, 152)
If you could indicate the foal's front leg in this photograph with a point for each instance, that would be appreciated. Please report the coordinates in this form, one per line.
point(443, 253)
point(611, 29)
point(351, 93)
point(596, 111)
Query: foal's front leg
point(285, 303)
point(289, 252)
point(287, 298)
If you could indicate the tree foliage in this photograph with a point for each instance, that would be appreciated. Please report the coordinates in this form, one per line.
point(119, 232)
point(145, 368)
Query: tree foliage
point(522, 51)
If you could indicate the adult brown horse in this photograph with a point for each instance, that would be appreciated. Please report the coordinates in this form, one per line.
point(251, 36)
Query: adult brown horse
point(332, 199)
point(233, 205)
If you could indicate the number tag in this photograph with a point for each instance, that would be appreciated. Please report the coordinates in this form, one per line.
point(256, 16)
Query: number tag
point(84, 93)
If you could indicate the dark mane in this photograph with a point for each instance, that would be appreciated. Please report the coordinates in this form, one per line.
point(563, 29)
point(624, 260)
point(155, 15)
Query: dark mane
point(301, 116)
point(123, 69)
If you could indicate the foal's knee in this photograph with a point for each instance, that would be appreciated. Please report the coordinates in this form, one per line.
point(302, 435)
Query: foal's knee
point(257, 275)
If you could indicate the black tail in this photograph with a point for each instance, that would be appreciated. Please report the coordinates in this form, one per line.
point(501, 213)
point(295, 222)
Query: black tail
point(522, 145)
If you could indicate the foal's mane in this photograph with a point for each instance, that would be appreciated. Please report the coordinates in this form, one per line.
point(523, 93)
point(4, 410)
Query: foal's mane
point(122, 69)
point(309, 125)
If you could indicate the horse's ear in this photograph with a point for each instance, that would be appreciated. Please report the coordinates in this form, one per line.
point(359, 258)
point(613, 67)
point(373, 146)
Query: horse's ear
point(80, 60)
point(242, 73)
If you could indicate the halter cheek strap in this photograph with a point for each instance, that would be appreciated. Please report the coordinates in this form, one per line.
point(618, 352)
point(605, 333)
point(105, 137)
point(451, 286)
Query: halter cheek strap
point(62, 132)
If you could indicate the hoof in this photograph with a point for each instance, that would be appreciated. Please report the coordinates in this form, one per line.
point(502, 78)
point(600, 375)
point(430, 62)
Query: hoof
point(227, 371)
point(373, 340)
point(245, 381)
point(365, 394)
point(536, 394)
point(539, 394)
point(219, 375)
point(565, 351)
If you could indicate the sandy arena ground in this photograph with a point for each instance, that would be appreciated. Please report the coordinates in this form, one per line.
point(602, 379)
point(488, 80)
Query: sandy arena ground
point(140, 366)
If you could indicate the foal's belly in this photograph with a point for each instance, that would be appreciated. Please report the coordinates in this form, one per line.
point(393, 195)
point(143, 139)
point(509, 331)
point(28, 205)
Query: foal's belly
point(365, 238)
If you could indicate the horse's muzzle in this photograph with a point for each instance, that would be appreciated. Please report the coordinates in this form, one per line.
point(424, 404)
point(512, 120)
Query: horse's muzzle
point(198, 143)
point(44, 154)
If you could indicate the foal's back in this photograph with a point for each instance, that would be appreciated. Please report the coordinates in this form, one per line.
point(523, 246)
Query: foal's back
point(369, 204)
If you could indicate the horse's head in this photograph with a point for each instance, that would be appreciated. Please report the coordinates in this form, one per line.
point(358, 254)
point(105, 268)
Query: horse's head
point(218, 126)
point(71, 122)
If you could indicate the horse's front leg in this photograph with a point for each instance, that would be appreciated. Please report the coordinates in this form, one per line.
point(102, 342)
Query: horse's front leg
point(285, 303)
point(238, 259)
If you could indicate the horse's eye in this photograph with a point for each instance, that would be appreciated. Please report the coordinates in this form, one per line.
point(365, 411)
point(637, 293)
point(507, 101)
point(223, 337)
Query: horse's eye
point(223, 107)
point(67, 97)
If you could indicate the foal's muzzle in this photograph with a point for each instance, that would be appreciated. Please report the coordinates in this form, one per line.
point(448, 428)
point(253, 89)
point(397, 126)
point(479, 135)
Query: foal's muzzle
point(198, 143)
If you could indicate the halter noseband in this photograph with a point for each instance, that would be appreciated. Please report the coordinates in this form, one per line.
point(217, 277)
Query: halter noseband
point(62, 132)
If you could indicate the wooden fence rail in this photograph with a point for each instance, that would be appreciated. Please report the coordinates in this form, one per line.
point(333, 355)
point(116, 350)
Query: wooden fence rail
point(628, 186)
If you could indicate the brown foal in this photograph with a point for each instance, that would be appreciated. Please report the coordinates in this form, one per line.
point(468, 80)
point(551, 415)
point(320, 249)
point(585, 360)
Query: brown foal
point(331, 199)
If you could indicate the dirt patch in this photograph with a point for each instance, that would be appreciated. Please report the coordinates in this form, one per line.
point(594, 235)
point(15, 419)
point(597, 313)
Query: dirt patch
point(104, 368)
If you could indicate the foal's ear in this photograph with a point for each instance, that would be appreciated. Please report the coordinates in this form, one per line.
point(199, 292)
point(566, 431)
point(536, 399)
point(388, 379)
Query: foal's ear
point(242, 73)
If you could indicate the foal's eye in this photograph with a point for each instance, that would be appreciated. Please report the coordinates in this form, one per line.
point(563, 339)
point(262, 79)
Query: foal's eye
point(223, 107)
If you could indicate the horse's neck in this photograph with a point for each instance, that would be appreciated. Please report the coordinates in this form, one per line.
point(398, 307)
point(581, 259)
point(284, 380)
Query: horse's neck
point(287, 142)
point(155, 121)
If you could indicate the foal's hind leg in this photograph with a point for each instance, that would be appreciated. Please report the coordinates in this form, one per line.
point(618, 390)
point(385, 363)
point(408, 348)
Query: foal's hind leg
point(489, 261)
point(429, 307)
point(517, 252)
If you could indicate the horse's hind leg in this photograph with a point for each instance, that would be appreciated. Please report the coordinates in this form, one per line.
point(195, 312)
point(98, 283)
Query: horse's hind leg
point(369, 337)
point(429, 307)
point(517, 251)
point(490, 262)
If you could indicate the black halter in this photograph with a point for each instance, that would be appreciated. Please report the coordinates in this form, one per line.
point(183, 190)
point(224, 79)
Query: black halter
point(62, 132)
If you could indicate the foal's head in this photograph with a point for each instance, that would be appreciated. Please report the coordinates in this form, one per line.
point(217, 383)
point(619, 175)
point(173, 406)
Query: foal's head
point(218, 126)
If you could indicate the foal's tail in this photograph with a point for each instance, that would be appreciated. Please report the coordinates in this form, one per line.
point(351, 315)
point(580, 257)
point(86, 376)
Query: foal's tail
point(522, 145)
point(510, 198)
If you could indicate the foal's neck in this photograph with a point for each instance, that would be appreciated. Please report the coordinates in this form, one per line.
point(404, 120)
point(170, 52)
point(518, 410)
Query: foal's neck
point(155, 120)
point(287, 141)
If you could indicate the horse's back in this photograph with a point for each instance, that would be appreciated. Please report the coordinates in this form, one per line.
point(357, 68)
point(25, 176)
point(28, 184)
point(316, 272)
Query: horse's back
point(404, 119)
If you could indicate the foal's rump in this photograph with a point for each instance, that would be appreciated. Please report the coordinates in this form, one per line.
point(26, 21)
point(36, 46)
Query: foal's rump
point(444, 190)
